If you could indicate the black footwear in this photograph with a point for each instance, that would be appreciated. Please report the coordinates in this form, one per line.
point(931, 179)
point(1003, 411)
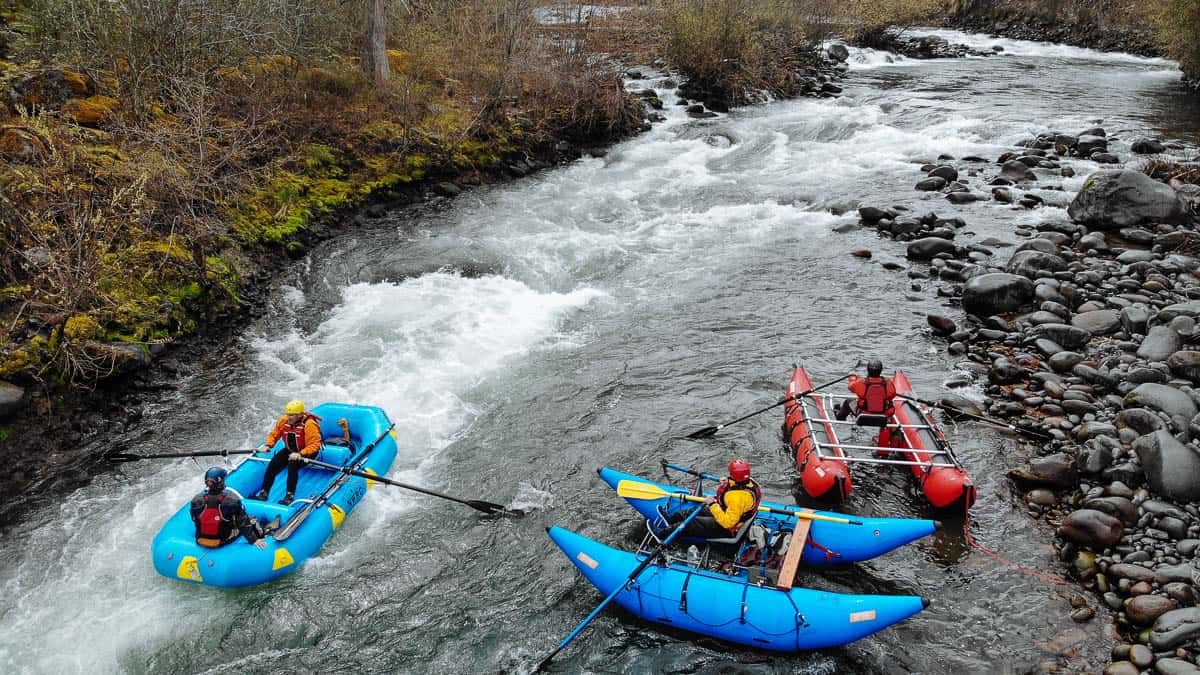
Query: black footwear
point(261, 495)
point(287, 499)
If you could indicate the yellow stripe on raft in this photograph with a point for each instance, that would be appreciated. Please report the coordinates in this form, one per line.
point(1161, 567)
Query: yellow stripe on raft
point(282, 558)
point(336, 514)
point(189, 569)
point(371, 483)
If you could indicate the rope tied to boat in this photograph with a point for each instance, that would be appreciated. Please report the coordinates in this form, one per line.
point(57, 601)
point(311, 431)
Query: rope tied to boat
point(1051, 578)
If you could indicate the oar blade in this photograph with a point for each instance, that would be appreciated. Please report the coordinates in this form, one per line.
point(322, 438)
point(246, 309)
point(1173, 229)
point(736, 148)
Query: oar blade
point(706, 432)
point(115, 456)
point(493, 509)
point(631, 489)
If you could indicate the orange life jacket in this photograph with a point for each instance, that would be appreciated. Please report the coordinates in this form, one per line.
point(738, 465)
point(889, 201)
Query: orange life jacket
point(873, 396)
point(293, 434)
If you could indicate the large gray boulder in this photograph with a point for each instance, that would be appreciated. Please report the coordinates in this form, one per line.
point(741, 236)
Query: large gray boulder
point(1091, 528)
point(1186, 365)
point(1111, 200)
point(1160, 343)
point(1099, 322)
point(996, 293)
point(1162, 398)
point(1190, 308)
point(1135, 319)
point(1175, 628)
point(1070, 337)
point(1172, 468)
point(1029, 263)
point(928, 247)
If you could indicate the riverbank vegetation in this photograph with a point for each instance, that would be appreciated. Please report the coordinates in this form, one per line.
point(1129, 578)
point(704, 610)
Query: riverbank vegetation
point(156, 153)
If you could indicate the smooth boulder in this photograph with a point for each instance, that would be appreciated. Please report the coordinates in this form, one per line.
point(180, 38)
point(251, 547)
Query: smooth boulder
point(1110, 200)
point(1162, 398)
point(996, 293)
point(1172, 469)
point(1088, 527)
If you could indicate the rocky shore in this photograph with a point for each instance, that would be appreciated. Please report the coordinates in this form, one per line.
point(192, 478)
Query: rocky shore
point(1088, 335)
point(1020, 24)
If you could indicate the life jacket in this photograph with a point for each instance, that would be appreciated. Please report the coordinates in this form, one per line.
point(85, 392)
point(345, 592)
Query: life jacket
point(749, 486)
point(874, 399)
point(212, 528)
point(293, 434)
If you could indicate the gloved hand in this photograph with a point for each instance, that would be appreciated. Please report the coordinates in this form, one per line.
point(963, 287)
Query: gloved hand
point(260, 543)
point(294, 457)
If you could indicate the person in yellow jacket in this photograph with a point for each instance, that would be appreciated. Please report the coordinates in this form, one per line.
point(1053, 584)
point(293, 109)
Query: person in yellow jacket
point(724, 515)
point(301, 435)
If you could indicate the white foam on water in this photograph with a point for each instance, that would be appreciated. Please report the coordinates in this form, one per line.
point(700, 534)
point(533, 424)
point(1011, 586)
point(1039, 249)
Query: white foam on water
point(80, 590)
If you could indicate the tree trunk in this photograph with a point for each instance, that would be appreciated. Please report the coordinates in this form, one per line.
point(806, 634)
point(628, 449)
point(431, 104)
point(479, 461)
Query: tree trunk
point(374, 54)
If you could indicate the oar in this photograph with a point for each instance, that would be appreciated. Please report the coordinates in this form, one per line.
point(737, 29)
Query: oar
point(711, 431)
point(114, 456)
point(954, 410)
point(478, 505)
point(632, 489)
point(637, 570)
point(699, 474)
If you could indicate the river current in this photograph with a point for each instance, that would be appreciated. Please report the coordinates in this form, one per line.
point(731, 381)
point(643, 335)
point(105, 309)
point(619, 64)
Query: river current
point(524, 334)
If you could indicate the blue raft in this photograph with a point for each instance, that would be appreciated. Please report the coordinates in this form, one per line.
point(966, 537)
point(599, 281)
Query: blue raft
point(828, 543)
point(730, 606)
point(324, 498)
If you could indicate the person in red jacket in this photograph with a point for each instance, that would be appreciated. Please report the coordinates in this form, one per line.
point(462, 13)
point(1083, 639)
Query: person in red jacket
point(875, 397)
point(301, 434)
point(219, 515)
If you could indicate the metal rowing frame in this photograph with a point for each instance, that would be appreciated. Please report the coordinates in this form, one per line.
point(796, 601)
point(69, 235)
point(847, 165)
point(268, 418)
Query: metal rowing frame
point(825, 450)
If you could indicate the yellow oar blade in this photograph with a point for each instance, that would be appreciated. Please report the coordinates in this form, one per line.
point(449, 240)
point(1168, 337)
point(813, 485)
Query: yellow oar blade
point(631, 489)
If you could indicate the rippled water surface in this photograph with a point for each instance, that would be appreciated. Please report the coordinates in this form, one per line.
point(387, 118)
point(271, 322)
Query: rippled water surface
point(529, 332)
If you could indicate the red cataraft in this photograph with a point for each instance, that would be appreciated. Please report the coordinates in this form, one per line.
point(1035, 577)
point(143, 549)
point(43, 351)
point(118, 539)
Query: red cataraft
point(823, 455)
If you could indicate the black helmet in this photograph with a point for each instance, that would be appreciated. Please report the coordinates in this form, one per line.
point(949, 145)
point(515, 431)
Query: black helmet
point(874, 368)
point(214, 478)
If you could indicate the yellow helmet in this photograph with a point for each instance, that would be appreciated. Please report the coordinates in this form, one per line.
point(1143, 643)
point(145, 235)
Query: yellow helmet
point(294, 407)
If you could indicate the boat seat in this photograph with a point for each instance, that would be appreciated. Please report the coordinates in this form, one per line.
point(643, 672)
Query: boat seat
point(337, 455)
point(869, 420)
point(736, 539)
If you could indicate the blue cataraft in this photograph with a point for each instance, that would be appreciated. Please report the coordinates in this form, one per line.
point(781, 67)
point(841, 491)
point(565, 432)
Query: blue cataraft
point(324, 498)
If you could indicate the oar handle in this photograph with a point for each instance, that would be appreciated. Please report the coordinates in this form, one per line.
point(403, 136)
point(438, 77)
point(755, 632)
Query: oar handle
point(130, 457)
point(959, 411)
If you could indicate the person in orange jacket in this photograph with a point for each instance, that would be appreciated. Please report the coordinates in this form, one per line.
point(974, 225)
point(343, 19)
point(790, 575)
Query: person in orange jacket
point(301, 434)
point(875, 397)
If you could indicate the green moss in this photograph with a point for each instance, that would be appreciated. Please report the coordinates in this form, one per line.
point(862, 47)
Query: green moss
point(5, 433)
point(82, 327)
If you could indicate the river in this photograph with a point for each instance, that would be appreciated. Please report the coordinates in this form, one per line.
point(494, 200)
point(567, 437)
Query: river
point(524, 334)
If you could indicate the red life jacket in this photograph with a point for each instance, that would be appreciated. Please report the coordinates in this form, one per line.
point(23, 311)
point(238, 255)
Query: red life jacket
point(749, 486)
point(293, 434)
point(874, 399)
point(212, 528)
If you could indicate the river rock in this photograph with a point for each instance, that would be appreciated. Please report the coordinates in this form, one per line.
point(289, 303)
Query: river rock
point(1094, 529)
point(1017, 171)
point(945, 171)
point(1163, 398)
point(12, 399)
point(1121, 668)
point(1057, 471)
point(931, 184)
point(1063, 362)
point(1099, 322)
point(996, 293)
point(1140, 420)
point(1170, 312)
point(1029, 263)
point(928, 247)
point(1175, 667)
point(941, 325)
point(1174, 628)
point(1135, 319)
point(837, 52)
point(1160, 343)
point(871, 215)
point(1111, 200)
point(1147, 146)
point(1117, 507)
point(1088, 144)
point(1070, 337)
point(1172, 469)
point(18, 144)
point(1144, 609)
point(1185, 365)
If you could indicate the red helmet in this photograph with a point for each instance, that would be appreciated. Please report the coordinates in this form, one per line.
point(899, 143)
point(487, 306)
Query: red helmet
point(739, 470)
